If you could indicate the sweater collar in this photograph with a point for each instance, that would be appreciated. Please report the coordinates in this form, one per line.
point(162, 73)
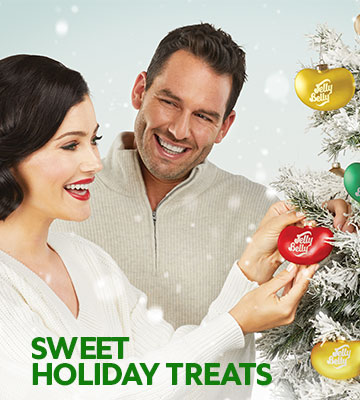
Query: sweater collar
point(122, 172)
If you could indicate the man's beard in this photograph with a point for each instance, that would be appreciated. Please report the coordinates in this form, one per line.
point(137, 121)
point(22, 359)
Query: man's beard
point(178, 171)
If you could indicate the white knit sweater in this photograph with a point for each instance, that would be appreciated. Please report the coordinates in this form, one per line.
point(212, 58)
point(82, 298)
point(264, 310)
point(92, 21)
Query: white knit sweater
point(181, 254)
point(110, 306)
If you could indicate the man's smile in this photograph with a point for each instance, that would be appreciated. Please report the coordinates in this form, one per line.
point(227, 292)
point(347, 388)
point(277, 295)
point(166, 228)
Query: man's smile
point(169, 149)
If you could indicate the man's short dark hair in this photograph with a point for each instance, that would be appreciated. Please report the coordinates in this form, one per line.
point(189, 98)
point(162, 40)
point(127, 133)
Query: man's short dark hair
point(212, 45)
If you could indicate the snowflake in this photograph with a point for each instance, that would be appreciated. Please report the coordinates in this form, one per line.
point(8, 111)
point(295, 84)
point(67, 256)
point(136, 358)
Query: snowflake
point(138, 218)
point(155, 314)
point(252, 227)
point(277, 86)
point(234, 202)
point(61, 27)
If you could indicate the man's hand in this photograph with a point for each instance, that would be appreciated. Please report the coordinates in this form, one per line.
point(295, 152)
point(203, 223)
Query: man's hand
point(262, 309)
point(261, 257)
point(341, 211)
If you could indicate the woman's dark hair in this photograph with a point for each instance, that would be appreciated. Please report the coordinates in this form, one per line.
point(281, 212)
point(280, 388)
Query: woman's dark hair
point(212, 45)
point(36, 92)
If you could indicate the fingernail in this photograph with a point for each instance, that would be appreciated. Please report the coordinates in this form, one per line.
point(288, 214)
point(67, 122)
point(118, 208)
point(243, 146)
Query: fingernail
point(290, 267)
point(300, 214)
point(317, 267)
point(340, 226)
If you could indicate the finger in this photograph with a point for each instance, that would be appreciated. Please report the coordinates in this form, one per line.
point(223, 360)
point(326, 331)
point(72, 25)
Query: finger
point(281, 279)
point(299, 288)
point(348, 227)
point(277, 257)
point(275, 210)
point(287, 287)
point(275, 260)
point(289, 218)
point(338, 207)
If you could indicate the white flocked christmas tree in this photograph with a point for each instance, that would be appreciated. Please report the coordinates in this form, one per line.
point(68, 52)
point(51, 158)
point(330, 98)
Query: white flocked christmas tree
point(330, 310)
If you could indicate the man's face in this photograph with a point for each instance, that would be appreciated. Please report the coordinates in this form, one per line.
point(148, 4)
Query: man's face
point(180, 116)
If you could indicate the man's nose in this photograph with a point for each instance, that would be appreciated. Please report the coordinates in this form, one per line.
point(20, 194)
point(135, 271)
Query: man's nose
point(180, 125)
point(91, 161)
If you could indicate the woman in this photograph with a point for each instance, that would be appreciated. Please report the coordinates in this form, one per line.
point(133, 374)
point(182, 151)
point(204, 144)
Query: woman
point(60, 285)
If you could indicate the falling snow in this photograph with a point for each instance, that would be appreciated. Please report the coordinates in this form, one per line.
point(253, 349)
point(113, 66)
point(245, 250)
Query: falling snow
point(155, 314)
point(142, 300)
point(138, 218)
point(277, 86)
point(61, 28)
point(270, 193)
point(234, 202)
point(252, 227)
point(75, 9)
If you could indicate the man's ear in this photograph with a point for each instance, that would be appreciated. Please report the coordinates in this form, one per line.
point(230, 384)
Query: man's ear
point(137, 94)
point(225, 126)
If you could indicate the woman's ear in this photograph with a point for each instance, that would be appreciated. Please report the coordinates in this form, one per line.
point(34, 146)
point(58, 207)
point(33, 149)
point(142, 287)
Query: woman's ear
point(137, 94)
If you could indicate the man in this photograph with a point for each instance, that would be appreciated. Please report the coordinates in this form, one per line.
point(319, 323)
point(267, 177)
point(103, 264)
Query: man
point(172, 220)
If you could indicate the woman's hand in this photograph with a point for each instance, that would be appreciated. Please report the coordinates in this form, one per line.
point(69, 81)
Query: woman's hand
point(261, 258)
point(262, 308)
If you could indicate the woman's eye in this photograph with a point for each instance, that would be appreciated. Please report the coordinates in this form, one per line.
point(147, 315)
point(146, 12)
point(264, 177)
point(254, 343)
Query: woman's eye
point(95, 139)
point(71, 146)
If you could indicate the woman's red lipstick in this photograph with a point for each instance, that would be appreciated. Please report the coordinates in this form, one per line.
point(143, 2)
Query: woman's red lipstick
point(79, 193)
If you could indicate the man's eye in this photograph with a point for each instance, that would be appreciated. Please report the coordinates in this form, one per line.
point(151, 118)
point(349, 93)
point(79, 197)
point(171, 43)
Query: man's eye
point(71, 146)
point(167, 102)
point(204, 117)
point(95, 139)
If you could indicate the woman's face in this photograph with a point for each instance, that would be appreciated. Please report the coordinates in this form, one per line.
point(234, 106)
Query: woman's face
point(71, 157)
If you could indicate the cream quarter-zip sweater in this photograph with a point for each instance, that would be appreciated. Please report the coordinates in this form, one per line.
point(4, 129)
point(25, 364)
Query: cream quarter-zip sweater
point(180, 254)
point(109, 306)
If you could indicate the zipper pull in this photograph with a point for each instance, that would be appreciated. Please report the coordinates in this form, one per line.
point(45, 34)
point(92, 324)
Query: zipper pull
point(154, 216)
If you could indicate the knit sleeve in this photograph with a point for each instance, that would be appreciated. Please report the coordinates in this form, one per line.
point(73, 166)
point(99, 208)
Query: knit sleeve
point(217, 339)
point(20, 325)
point(236, 286)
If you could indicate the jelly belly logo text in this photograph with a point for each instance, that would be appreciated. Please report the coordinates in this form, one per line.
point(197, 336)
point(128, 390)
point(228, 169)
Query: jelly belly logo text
point(340, 356)
point(322, 92)
point(301, 243)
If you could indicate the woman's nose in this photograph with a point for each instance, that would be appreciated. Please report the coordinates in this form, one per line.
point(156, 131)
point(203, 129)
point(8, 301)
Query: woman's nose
point(92, 162)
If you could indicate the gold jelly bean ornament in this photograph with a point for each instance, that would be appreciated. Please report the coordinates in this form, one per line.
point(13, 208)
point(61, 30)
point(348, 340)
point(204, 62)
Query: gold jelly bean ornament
point(323, 88)
point(337, 360)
